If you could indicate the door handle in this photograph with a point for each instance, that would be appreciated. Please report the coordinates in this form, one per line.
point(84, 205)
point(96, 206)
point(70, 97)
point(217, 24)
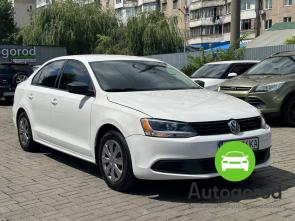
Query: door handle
point(30, 96)
point(54, 101)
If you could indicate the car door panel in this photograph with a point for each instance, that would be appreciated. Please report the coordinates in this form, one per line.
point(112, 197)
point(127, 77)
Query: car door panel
point(71, 113)
point(39, 97)
point(71, 119)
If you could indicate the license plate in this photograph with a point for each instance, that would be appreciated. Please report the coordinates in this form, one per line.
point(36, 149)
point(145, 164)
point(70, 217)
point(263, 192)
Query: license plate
point(251, 142)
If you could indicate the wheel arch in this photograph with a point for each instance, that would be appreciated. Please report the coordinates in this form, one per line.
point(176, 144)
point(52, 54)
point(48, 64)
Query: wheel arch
point(19, 111)
point(101, 131)
point(291, 94)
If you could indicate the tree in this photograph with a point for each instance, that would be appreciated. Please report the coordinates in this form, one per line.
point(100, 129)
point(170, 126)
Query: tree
point(145, 34)
point(7, 26)
point(70, 25)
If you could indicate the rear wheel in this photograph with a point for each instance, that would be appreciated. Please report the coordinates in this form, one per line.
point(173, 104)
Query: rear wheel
point(115, 161)
point(25, 133)
point(289, 112)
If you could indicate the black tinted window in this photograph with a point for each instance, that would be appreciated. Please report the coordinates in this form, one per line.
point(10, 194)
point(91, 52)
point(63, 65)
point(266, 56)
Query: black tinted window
point(139, 76)
point(241, 68)
point(211, 71)
point(47, 75)
point(74, 71)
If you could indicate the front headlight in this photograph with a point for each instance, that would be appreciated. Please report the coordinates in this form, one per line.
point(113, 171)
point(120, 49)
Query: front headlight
point(268, 87)
point(167, 129)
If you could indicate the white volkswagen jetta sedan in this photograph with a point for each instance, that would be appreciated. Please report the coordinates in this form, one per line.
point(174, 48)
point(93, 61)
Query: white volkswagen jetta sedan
point(137, 118)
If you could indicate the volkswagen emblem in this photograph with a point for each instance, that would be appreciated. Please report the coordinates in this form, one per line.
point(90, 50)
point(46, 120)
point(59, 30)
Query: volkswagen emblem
point(234, 126)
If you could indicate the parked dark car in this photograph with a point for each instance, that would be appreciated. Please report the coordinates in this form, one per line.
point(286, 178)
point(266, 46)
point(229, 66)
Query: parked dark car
point(11, 74)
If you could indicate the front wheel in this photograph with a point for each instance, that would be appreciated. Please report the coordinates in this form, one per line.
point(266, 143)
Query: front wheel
point(19, 78)
point(25, 133)
point(115, 161)
point(289, 112)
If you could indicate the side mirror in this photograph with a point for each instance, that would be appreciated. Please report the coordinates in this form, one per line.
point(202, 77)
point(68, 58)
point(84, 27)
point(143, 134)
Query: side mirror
point(80, 88)
point(232, 75)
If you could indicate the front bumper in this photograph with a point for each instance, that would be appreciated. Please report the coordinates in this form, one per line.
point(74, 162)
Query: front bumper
point(146, 152)
point(267, 103)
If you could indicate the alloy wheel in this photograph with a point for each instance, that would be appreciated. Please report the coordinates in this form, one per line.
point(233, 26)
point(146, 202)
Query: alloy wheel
point(112, 160)
point(24, 131)
point(20, 78)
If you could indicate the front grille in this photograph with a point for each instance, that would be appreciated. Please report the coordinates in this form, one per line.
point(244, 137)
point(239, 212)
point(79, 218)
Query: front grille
point(256, 102)
point(221, 127)
point(232, 88)
point(200, 166)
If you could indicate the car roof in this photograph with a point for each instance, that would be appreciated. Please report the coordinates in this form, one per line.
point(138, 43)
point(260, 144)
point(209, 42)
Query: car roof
point(235, 62)
point(284, 53)
point(99, 57)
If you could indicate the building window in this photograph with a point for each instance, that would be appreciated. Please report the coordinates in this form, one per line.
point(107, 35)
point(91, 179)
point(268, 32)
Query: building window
point(247, 4)
point(287, 19)
point(226, 28)
point(164, 6)
point(287, 2)
point(268, 24)
point(175, 3)
point(267, 4)
point(246, 24)
point(227, 7)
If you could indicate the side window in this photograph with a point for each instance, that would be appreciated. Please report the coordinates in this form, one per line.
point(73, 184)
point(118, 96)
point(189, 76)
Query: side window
point(240, 68)
point(47, 76)
point(74, 71)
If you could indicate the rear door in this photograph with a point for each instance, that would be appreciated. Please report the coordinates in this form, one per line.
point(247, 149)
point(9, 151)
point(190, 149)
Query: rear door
point(71, 114)
point(40, 99)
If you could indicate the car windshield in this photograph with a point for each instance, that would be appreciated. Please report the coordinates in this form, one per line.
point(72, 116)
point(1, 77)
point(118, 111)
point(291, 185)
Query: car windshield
point(235, 154)
point(274, 66)
point(118, 76)
point(211, 71)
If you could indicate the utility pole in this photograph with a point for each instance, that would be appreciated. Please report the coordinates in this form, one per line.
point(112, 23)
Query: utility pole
point(235, 24)
point(258, 7)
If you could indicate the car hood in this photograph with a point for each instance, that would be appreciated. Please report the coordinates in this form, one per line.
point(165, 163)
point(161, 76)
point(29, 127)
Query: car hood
point(254, 80)
point(197, 105)
point(208, 82)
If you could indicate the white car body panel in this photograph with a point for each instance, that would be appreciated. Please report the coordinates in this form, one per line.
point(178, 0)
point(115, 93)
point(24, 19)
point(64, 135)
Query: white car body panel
point(194, 105)
point(209, 82)
point(71, 125)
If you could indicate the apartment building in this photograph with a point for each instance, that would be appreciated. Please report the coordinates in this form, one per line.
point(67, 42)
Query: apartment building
point(23, 12)
point(275, 11)
point(175, 8)
point(210, 22)
point(129, 8)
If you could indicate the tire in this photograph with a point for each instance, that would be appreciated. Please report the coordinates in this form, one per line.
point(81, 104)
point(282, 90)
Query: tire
point(24, 132)
point(114, 162)
point(19, 77)
point(289, 112)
